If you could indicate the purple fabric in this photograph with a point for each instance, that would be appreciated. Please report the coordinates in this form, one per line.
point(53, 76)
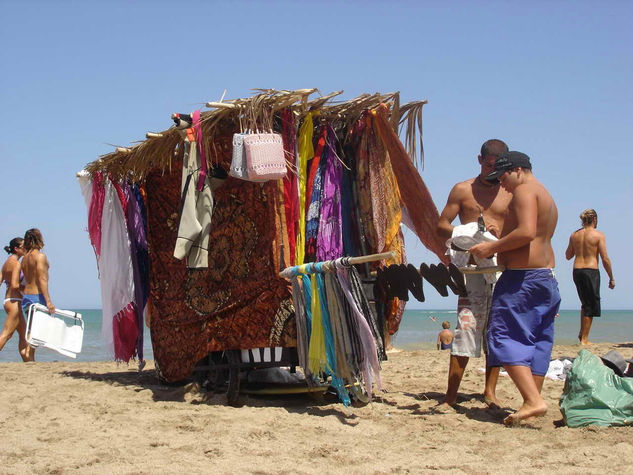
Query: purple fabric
point(138, 252)
point(140, 236)
point(330, 236)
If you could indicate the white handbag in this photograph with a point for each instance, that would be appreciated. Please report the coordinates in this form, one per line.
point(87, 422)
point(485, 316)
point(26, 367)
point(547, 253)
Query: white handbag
point(238, 163)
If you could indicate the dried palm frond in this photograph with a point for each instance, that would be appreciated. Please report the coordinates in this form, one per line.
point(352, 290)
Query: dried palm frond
point(411, 117)
point(257, 113)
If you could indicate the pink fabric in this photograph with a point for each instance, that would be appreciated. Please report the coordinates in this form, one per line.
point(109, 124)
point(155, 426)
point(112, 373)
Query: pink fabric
point(123, 197)
point(291, 192)
point(125, 332)
point(95, 212)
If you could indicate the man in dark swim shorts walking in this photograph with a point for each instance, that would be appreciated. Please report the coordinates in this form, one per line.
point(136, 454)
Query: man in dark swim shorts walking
point(587, 244)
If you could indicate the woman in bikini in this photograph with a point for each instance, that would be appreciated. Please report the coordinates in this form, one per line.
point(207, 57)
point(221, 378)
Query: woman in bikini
point(13, 299)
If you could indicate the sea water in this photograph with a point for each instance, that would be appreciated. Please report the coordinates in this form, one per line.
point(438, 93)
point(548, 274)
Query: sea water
point(418, 330)
point(92, 349)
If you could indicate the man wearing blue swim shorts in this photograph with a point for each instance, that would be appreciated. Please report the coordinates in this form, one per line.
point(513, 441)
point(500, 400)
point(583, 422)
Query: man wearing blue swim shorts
point(35, 267)
point(526, 298)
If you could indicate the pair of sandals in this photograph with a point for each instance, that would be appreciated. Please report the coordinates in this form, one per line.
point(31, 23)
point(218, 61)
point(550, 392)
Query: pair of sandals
point(441, 277)
point(397, 280)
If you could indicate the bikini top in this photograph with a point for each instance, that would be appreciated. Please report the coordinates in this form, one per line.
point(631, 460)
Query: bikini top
point(22, 281)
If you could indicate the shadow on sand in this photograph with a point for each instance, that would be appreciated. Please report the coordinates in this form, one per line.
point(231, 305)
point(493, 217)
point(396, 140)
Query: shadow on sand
point(190, 391)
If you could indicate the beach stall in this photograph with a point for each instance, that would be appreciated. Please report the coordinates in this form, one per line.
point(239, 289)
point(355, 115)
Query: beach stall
point(248, 234)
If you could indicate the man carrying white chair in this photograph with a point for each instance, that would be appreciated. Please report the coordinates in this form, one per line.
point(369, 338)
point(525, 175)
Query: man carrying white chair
point(45, 324)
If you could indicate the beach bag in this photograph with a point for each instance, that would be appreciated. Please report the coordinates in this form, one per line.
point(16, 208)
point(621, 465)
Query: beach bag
point(595, 395)
point(265, 157)
point(238, 163)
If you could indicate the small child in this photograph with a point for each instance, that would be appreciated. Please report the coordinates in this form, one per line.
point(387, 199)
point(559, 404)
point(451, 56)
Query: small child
point(445, 337)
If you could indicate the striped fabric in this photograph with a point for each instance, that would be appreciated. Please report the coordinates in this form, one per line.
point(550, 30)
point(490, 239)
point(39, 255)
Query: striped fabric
point(265, 355)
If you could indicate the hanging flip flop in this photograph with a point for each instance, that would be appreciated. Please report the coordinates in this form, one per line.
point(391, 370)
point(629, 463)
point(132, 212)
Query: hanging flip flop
point(430, 274)
point(458, 279)
point(415, 282)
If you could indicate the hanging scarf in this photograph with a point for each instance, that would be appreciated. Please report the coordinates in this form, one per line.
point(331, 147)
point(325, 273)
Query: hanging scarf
point(415, 195)
point(329, 240)
point(307, 294)
point(364, 188)
point(119, 329)
point(290, 193)
point(299, 304)
point(370, 367)
point(385, 196)
point(356, 287)
point(331, 367)
point(317, 358)
point(314, 164)
point(95, 212)
point(139, 255)
point(313, 216)
point(306, 151)
point(340, 328)
point(349, 212)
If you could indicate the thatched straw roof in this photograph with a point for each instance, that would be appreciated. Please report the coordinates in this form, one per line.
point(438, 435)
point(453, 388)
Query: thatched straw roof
point(156, 152)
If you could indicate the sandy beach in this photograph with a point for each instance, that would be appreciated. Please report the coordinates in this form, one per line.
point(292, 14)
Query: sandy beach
point(65, 417)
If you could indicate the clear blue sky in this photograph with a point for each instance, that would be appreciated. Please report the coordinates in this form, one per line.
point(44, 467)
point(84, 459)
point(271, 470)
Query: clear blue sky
point(552, 79)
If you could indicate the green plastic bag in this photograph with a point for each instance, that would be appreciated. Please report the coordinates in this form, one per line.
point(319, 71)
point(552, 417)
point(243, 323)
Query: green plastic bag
point(595, 395)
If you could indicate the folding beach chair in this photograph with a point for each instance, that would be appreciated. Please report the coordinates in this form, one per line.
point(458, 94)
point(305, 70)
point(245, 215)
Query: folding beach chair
point(62, 332)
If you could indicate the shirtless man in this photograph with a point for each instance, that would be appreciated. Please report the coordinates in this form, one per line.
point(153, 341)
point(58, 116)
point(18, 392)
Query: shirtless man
point(526, 298)
point(35, 269)
point(587, 244)
point(470, 200)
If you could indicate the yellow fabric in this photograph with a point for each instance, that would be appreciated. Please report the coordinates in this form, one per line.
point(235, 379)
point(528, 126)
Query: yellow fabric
point(317, 358)
point(306, 152)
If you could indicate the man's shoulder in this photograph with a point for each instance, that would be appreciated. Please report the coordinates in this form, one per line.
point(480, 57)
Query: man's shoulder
point(464, 186)
point(467, 182)
point(534, 188)
point(35, 256)
point(597, 234)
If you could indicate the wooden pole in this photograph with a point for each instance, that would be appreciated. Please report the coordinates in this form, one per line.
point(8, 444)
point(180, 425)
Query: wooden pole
point(348, 260)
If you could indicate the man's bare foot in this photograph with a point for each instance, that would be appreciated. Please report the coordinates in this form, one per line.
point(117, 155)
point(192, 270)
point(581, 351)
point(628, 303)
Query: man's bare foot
point(586, 342)
point(444, 408)
point(526, 411)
